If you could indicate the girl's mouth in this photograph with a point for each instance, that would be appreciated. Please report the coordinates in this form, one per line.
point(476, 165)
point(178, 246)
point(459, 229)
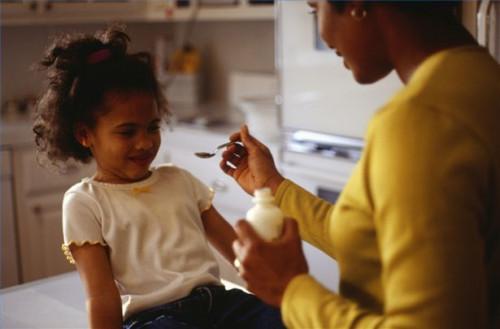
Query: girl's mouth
point(142, 159)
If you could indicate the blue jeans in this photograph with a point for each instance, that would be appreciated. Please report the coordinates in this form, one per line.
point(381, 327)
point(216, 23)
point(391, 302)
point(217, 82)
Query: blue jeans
point(209, 307)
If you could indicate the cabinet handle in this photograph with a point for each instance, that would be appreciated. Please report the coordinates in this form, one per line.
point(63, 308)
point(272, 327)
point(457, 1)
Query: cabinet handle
point(37, 210)
point(219, 186)
point(33, 5)
point(485, 24)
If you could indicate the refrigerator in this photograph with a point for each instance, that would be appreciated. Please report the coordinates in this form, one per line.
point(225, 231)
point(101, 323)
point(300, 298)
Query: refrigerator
point(320, 97)
point(324, 113)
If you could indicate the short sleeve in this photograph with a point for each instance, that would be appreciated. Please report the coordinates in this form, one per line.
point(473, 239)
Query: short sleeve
point(80, 222)
point(203, 194)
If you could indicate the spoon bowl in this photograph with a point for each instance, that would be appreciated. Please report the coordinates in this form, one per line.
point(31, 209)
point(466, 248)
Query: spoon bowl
point(206, 155)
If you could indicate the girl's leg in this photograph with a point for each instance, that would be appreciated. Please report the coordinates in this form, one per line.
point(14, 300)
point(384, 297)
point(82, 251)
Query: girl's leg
point(162, 322)
point(190, 312)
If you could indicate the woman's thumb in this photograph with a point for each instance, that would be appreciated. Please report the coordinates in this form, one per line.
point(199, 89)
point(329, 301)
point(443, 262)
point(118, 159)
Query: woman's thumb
point(290, 228)
point(246, 138)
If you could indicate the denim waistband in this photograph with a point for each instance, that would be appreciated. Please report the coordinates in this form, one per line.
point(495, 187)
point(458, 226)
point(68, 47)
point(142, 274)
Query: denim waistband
point(209, 290)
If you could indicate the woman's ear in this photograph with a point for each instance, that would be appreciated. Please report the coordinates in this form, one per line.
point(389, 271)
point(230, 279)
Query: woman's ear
point(82, 135)
point(357, 9)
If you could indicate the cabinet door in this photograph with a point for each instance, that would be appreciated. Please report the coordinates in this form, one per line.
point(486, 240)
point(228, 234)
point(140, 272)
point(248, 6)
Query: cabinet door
point(9, 274)
point(46, 258)
point(38, 180)
point(70, 11)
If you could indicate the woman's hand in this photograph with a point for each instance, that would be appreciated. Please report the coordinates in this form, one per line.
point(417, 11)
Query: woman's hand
point(252, 166)
point(268, 267)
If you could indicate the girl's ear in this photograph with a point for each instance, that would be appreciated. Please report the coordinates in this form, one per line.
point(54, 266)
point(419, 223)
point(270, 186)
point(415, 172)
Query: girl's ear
point(82, 135)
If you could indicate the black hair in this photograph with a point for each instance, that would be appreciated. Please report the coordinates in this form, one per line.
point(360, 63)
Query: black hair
point(81, 69)
point(422, 7)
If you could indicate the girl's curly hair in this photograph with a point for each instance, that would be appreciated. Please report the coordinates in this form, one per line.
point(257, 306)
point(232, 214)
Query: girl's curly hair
point(77, 84)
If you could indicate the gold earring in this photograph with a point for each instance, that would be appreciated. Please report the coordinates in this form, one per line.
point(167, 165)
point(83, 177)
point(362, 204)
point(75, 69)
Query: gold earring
point(358, 14)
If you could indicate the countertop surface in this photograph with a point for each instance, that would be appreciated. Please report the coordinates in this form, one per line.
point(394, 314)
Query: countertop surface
point(52, 303)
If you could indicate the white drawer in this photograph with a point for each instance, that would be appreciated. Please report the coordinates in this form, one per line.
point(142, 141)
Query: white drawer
point(228, 194)
point(37, 179)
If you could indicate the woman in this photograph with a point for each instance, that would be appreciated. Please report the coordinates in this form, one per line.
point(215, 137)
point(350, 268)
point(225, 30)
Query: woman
point(416, 230)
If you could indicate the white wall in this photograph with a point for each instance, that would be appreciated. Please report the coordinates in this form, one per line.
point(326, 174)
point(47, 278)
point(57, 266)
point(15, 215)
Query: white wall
point(226, 46)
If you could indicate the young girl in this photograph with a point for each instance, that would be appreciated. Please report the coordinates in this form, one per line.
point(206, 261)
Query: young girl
point(135, 233)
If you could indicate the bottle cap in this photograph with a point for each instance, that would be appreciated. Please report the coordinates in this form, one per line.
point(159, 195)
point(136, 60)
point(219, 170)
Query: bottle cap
point(263, 194)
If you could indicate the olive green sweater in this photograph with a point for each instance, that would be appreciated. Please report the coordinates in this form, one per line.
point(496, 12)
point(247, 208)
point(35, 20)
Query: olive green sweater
point(416, 231)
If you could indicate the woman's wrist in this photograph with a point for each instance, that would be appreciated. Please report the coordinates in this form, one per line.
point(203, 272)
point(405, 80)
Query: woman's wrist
point(274, 182)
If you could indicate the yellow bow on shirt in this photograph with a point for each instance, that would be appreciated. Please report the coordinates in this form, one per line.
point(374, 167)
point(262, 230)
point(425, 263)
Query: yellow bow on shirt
point(141, 189)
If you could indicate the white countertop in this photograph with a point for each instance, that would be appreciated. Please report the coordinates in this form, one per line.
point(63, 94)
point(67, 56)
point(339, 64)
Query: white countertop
point(57, 302)
point(52, 303)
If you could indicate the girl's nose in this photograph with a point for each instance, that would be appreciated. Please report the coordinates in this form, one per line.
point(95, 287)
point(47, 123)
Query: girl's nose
point(144, 142)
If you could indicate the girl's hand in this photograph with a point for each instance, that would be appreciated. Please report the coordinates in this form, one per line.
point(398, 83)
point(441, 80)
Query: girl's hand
point(268, 267)
point(253, 164)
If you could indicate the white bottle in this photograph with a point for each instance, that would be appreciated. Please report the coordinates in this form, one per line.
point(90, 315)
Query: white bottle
point(265, 217)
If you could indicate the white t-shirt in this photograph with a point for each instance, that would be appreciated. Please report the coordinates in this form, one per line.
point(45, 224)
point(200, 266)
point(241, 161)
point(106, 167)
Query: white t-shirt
point(154, 232)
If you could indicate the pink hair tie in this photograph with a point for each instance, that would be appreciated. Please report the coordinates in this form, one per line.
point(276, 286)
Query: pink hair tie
point(99, 56)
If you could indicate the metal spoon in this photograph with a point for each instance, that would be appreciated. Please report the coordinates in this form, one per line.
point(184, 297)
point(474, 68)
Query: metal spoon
point(206, 155)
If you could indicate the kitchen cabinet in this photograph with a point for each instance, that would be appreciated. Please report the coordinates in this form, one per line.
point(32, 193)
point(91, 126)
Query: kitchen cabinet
point(10, 272)
point(31, 213)
point(62, 12)
point(94, 11)
point(38, 199)
point(204, 11)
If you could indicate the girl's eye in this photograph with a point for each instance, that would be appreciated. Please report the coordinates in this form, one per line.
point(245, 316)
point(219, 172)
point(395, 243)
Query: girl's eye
point(126, 133)
point(154, 128)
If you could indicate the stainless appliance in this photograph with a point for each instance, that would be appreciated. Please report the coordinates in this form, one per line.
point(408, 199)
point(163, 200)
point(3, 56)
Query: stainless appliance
point(487, 18)
point(318, 92)
point(324, 114)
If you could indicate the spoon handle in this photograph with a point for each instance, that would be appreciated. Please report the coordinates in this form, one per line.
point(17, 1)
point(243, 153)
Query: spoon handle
point(224, 145)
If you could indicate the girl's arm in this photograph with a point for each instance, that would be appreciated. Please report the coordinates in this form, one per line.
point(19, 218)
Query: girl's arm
point(219, 232)
point(103, 300)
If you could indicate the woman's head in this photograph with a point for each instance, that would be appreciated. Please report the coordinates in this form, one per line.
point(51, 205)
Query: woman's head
point(351, 30)
point(85, 74)
point(370, 35)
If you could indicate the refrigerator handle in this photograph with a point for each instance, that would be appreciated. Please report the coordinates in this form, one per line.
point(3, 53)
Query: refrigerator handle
point(483, 23)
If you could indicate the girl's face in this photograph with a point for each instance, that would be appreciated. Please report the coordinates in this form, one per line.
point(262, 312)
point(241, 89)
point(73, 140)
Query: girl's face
point(358, 40)
point(126, 137)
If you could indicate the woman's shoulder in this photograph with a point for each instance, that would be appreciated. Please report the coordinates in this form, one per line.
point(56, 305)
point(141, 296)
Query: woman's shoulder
point(439, 100)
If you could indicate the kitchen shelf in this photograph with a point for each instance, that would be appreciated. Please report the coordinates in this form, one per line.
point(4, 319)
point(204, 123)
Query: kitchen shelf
point(44, 13)
point(242, 11)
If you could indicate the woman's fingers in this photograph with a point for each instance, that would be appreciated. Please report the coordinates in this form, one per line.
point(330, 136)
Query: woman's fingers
point(290, 229)
point(226, 168)
point(248, 140)
point(232, 158)
point(237, 149)
point(246, 233)
point(234, 137)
